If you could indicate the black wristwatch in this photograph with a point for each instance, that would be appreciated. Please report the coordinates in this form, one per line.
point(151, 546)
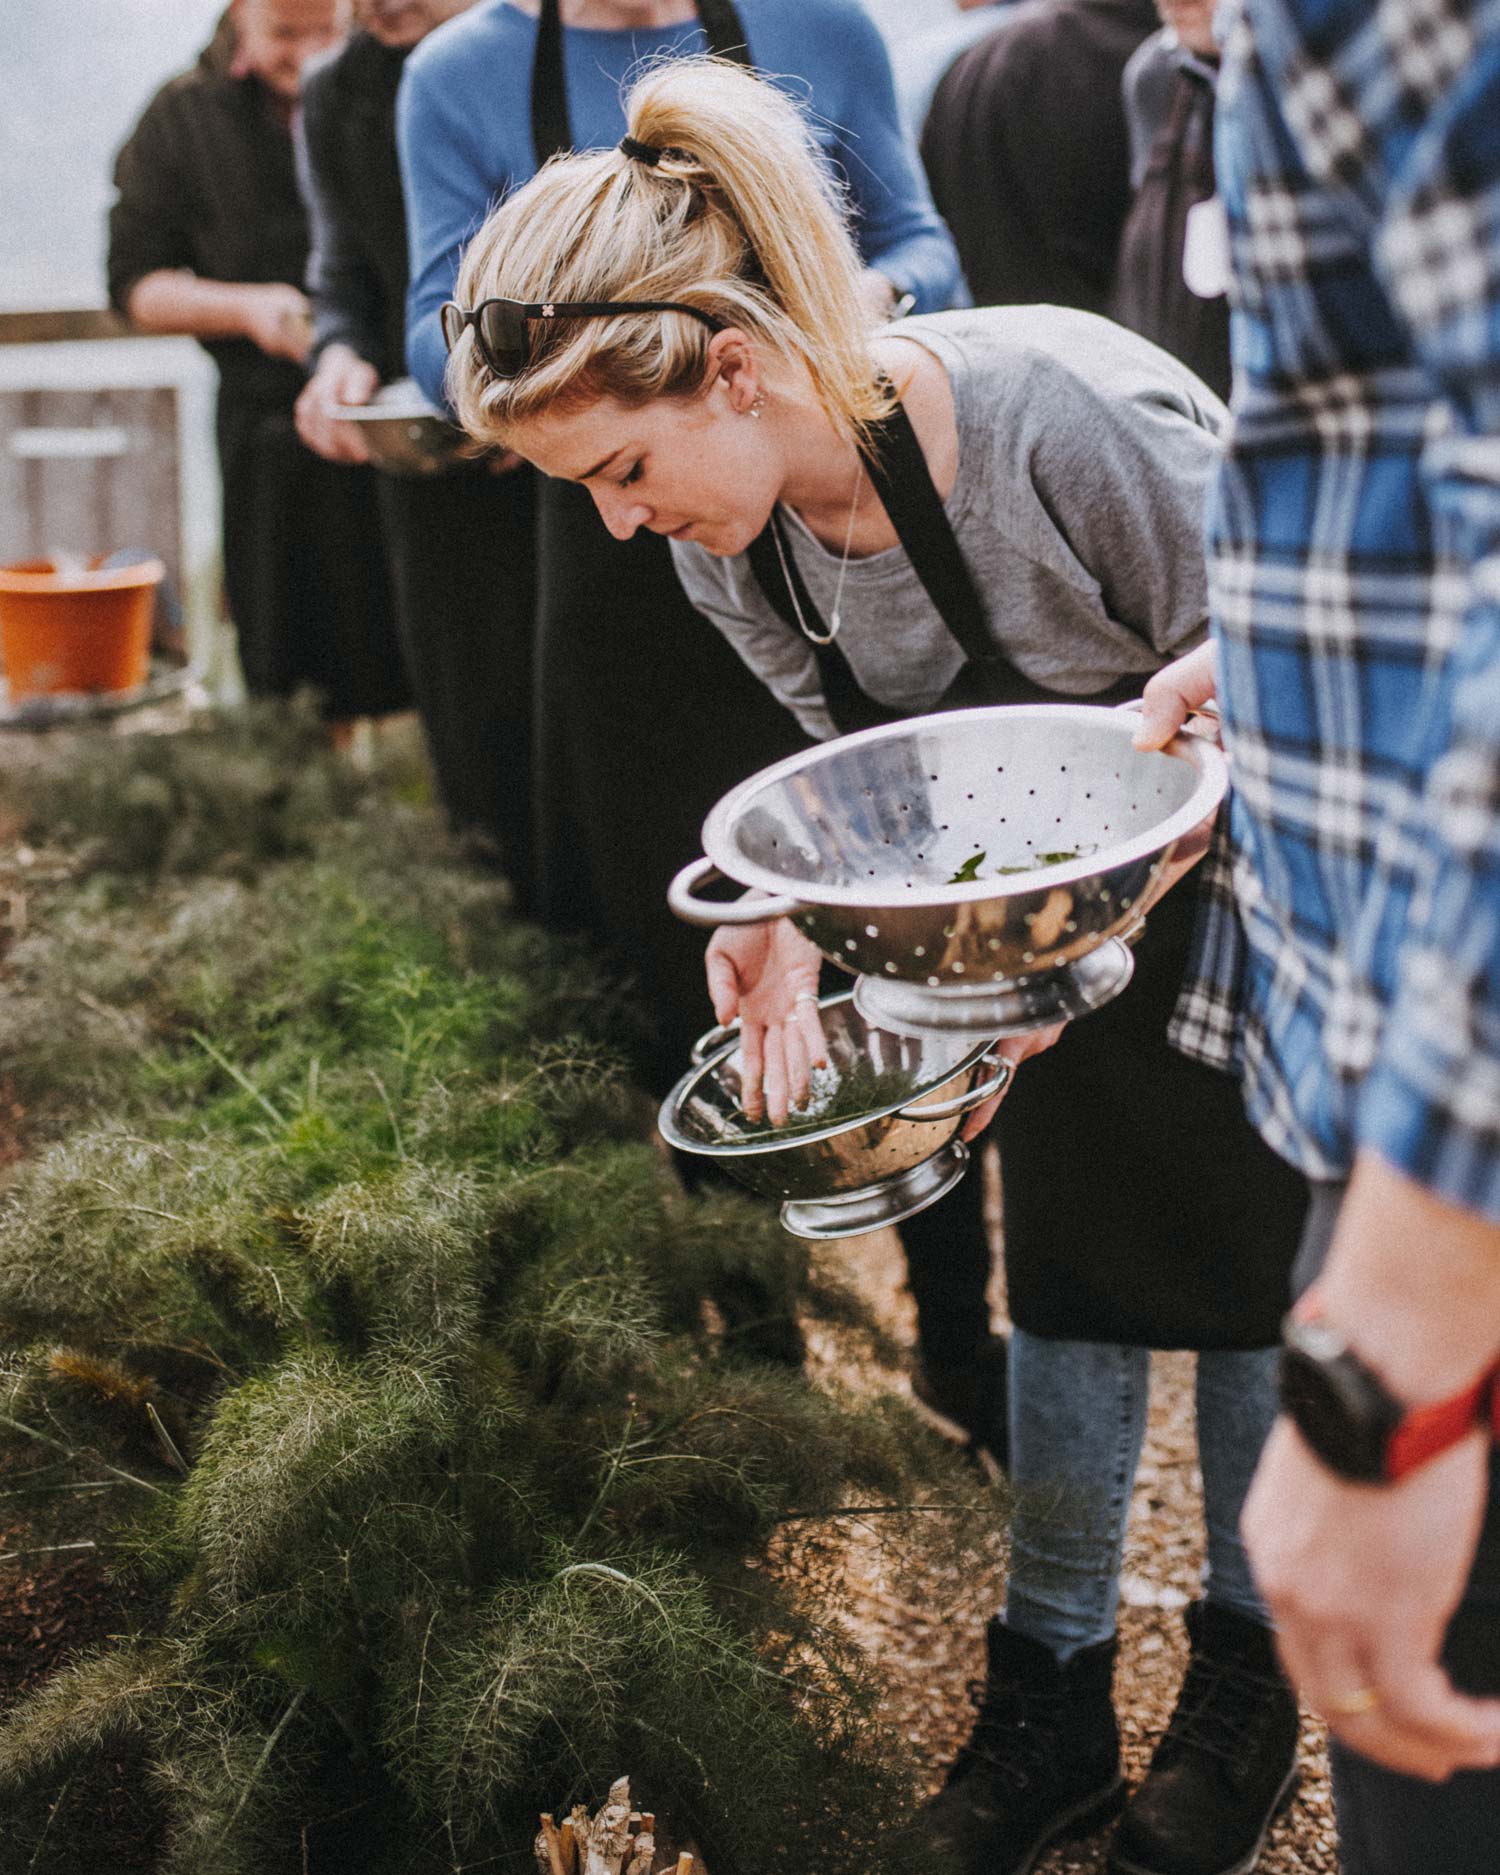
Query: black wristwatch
point(1354, 1423)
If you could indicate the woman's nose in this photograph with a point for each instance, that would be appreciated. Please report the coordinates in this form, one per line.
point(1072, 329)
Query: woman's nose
point(620, 514)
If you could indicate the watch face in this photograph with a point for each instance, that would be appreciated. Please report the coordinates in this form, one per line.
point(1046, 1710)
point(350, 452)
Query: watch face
point(1341, 1411)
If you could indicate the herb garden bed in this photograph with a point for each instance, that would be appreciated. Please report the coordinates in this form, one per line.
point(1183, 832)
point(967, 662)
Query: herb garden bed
point(443, 1458)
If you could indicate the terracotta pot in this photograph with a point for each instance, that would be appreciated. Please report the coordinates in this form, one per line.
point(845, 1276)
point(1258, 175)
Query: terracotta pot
point(77, 631)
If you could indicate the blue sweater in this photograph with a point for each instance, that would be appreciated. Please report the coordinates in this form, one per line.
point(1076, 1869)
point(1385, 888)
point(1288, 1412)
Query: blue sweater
point(464, 130)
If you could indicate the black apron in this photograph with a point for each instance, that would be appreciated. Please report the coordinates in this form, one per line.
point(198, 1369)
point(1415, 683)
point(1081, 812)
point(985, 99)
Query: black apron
point(462, 552)
point(304, 566)
point(644, 714)
point(1140, 1204)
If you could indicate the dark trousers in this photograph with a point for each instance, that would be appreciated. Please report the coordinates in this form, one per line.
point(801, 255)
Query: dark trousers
point(305, 567)
point(1390, 1824)
point(948, 1272)
point(462, 557)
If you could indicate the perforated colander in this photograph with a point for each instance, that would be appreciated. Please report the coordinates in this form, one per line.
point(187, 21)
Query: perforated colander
point(859, 842)
point(841, 1176)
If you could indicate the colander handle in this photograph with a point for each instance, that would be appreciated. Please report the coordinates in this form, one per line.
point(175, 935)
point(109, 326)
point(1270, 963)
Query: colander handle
point(962, 1103)
point(682, 897)
point(1206, 713)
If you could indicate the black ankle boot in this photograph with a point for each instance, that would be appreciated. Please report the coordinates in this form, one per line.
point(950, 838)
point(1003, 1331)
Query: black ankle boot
point(970, 1399)
point(1227, 1766)
point(1043, 1762)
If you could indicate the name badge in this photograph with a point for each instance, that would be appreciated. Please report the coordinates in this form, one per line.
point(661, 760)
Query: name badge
point(1205, 251)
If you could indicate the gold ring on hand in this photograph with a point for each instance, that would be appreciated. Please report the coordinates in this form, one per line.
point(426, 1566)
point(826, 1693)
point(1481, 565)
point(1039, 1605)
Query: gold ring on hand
point(1351, 1705)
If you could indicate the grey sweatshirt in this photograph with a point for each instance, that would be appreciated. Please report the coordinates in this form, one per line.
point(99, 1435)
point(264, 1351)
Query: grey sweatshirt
point(1083, 457)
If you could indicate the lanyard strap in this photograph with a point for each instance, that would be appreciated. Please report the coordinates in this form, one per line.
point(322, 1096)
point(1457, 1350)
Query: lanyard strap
point(551, 132)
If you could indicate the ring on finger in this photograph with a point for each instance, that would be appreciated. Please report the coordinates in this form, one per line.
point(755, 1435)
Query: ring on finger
point(805, 996)
point(1351, 1705)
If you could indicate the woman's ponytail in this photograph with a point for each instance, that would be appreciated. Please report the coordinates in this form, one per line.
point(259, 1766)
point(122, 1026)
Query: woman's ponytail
point(736, 216)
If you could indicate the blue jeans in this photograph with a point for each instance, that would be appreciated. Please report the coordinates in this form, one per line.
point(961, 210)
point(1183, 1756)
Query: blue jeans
point(1077, 1419)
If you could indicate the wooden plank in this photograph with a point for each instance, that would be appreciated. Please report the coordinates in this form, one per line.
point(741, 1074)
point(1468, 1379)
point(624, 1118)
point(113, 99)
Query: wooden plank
point(40, 328)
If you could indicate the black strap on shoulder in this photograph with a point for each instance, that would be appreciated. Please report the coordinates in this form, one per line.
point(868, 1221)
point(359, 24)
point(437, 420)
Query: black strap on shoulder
point(896, 465)
point(551, 132)
point(898, 469)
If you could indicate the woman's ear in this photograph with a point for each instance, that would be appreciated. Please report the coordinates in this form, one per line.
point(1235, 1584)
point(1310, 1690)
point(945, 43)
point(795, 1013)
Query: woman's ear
point(734, 371)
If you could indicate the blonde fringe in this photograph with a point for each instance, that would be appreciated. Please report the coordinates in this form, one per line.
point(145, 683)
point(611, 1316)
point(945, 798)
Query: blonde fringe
point(740, 219)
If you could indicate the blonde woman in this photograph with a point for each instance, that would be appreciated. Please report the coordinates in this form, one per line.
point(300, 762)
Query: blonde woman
point(994, 504)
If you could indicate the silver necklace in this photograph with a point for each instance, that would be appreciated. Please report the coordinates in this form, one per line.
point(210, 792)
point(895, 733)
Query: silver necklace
point(836, 622)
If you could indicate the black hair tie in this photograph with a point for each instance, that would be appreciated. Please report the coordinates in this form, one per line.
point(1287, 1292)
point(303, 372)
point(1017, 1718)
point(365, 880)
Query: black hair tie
point(646, 153)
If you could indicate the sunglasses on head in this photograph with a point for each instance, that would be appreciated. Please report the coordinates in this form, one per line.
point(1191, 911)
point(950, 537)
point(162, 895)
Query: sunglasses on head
point(502, 327)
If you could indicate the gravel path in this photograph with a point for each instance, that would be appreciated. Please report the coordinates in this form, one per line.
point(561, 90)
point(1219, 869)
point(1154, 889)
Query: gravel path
point(936, 1638)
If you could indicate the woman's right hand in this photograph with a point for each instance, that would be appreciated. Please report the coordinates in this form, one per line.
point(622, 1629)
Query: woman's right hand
point(766, 975)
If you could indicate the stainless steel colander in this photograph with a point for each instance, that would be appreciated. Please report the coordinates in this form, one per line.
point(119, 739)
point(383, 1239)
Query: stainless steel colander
point(859, 840)
point(863, 1170)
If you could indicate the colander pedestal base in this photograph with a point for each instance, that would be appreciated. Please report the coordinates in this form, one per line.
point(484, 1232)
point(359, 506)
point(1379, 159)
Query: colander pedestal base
point(852, 1213)
point(998, 1008)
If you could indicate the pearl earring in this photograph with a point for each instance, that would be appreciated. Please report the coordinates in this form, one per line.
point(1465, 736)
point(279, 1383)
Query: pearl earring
point(757, 406)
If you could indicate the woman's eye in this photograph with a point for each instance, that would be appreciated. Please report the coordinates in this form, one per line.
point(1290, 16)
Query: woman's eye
point(632, 474)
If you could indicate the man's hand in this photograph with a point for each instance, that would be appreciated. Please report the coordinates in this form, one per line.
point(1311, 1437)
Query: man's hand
point(1361, 1581)
point(342, 377)
point(1174, 693)
point(278, 319)
point(766, 975)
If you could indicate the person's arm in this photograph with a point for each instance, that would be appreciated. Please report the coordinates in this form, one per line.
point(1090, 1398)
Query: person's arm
point(901, 236)
point(342, 285)
point(1363, 1580)
point(151, 253)
point(271, 315)
point(449, 187)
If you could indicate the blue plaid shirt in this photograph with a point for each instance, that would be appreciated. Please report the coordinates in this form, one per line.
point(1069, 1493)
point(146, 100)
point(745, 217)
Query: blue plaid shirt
point(1355, 587)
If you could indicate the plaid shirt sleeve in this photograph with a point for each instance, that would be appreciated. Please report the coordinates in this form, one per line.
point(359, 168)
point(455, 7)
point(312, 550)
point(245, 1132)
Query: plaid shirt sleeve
point(1431, 1106)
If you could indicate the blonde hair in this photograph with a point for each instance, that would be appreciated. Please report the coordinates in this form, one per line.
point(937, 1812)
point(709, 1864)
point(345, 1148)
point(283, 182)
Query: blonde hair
point(738, 218)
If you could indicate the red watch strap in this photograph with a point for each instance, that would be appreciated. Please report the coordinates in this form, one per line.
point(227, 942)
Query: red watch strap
point(1425, 1431)
point(1428, 1430)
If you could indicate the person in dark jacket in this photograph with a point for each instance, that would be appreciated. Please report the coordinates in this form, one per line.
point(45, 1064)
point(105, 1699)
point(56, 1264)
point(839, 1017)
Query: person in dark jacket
point(208, 238)
point(459, 543)
point(1169, 110)
point(1026, 151)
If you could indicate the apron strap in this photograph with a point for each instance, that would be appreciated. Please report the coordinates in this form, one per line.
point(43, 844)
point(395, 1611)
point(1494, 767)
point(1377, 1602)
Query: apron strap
point(551, 131)
point(898, 469)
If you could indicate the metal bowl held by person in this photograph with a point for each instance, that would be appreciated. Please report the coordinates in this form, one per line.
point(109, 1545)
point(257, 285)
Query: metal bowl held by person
point(402, 431)
point(957, 850)
point(876, 1141)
